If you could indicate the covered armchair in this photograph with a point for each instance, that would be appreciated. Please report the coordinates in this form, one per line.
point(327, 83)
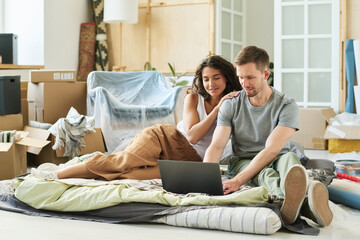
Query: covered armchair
point(123, 103)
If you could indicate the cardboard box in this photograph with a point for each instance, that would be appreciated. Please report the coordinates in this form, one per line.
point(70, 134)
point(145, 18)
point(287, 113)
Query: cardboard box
point(13, 159)
point(49, 101)
point(37, 76)
point(11, 122)
point(93, 142)
point(312, 128)
point(24, 111)
point(342, 138)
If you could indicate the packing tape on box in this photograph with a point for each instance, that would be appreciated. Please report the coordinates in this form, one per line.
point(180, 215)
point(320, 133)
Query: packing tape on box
point(337, 132)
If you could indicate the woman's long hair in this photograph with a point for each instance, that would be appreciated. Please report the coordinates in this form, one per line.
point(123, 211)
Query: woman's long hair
point(226, 69)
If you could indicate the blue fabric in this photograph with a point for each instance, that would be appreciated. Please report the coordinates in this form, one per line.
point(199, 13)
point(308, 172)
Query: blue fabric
point(347, 198)
point(350, 75)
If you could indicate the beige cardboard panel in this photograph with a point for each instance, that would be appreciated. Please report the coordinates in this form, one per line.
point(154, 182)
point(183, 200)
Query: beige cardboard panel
point(33, 142)
point(60, 97)
point(352, 19)
point(312, 128)
point(343, 132)
point(31, 111)
point(20, 161)
point(40, 114)
point(31, 92)
point(36, 94)
point(47, 154)
point(4, 147)
point(13, 162)
point(33, 150)
point(93, 142)
point(23, 134)
point(53, 100)
point(37, 76)
point(7, 163)
point(328, 113)
point(38, 133)
point(179, 35)
point(11, 122)
point(25, 111)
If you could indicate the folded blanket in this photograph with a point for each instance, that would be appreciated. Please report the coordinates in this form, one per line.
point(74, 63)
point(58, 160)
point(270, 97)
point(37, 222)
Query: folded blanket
point(61, 196)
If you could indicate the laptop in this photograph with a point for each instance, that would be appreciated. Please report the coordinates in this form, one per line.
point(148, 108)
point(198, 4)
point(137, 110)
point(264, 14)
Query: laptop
point(190, 177)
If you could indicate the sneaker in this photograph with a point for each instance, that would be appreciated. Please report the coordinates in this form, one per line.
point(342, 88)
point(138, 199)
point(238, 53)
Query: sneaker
point(317, 205)
point(44, 174)
point(296, 184)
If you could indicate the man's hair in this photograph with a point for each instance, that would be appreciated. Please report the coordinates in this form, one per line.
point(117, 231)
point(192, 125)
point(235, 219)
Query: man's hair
point(226, 69)
point(253, 54)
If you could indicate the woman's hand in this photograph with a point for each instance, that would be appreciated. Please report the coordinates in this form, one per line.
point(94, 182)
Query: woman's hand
point(228, 96)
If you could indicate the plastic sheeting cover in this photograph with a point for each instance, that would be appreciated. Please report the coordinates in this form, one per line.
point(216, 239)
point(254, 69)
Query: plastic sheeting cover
point(123, 103)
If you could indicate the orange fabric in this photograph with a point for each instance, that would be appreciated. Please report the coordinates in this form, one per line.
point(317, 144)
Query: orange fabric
point(139, 159)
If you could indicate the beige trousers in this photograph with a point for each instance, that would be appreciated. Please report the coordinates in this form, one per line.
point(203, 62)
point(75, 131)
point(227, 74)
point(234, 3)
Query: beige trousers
point(139, 159)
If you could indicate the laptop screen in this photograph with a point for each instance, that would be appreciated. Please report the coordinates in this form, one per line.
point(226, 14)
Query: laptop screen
point(190, 177)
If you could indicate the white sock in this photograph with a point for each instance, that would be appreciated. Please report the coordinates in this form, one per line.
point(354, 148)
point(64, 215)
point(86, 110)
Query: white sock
point(44, 174)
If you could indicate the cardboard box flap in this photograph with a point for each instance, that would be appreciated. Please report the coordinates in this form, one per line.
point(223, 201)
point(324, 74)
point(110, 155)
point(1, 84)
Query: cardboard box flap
point(33, 142)
point(23, 134)
point(93, 142)
point(327, 114)
point(4, 147)
point(344, 132)
point(37, 133)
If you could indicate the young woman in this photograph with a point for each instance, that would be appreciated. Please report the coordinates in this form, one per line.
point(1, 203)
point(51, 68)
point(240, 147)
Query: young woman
point(215, 81)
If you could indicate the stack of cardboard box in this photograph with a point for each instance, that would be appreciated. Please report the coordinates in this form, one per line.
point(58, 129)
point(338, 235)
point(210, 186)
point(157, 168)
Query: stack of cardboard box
point(51, 94)
point(312, 128)
point(316, 133)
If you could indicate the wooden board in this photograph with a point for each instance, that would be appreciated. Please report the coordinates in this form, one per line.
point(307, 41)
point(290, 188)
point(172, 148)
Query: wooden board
point(179, 32)
point(179, 35)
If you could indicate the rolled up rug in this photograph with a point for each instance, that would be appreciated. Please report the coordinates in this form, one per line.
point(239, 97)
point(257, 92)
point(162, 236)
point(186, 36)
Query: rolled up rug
point(101, 59)
point(86, 51)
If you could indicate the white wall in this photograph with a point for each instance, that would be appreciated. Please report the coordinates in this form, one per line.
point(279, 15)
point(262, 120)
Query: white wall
point(48, 30)
point(25, 19)
point(62, 32)
point(260, 25)
point(1, 16)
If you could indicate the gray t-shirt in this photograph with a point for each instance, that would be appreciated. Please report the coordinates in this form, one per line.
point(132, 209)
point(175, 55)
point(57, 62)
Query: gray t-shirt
point(251, 126)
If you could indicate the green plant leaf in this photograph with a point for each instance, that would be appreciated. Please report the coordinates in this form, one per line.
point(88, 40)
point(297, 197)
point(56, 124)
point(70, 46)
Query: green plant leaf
point(172, 80)
point(182, 83)
point(172, 69)
point(180, 75)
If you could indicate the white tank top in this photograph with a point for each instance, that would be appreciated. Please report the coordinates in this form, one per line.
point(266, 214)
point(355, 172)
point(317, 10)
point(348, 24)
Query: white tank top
point(203, 143)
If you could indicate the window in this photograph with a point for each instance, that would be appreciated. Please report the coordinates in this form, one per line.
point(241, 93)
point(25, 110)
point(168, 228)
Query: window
point(307, 51)
point(230, 22)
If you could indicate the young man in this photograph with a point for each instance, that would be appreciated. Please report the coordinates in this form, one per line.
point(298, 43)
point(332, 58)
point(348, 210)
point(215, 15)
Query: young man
point(261, 121)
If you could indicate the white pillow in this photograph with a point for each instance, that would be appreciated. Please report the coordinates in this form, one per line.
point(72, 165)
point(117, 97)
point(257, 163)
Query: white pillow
point(256, 220)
